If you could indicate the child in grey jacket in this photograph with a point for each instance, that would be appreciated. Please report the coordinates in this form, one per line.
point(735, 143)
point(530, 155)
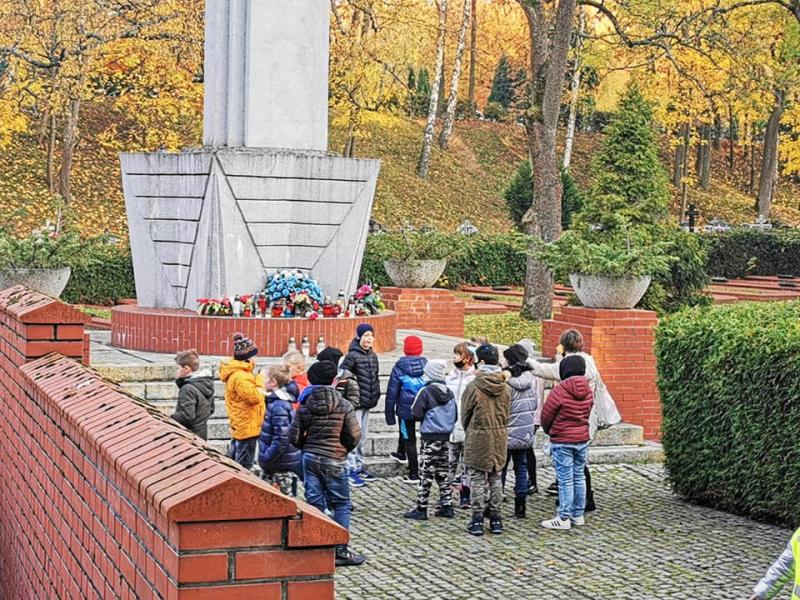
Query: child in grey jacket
point(435, 407)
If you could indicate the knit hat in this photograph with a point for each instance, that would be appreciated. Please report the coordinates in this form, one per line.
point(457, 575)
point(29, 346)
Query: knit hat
point(515, 354)
point(487, 354)
point(322, 373)
point(435, 370)
point(412, 346)
point(330, 354)
point(572, 366)
point(362, 329)
point(243, 347)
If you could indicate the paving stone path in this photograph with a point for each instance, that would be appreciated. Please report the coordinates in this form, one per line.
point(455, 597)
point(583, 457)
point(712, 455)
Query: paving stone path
point(643, 543)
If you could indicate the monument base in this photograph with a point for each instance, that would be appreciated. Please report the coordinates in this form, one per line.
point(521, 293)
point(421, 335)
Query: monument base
point(622, 344)
point(167, 331)
point(428, 309)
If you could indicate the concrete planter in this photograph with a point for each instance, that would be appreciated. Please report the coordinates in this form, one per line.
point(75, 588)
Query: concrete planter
point(601, 291)
point(414, 273)
point(50, 282)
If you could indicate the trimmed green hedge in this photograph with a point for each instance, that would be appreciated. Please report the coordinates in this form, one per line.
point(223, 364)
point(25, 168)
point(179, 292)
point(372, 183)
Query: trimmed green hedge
point(486, 260)
point(107, 279)
point(744, 252)
point(729, 378)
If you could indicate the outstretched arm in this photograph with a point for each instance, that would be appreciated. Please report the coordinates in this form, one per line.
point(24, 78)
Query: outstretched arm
point(779, 573)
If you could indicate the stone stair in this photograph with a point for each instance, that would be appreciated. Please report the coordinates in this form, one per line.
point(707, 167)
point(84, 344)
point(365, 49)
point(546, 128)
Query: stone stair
point(154, 383)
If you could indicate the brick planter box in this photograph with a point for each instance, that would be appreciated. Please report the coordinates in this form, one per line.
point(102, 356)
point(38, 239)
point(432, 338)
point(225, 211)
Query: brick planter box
point(427, 309)
point(621, 343)
point(167, 330)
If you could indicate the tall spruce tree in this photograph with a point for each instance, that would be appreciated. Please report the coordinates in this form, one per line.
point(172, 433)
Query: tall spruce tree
point(502, 84)
point(630, 183)
point(519, 196)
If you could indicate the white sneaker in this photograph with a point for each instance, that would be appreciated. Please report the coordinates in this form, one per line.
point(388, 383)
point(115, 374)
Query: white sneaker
point(557, 523)
point(578, 521)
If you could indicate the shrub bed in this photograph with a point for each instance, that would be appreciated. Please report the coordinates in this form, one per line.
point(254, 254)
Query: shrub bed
point(482, 260)
point(729, 378)
point(105, 279)
point(743, 252)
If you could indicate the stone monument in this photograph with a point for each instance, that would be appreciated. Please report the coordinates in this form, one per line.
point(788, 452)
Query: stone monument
point(262, 194)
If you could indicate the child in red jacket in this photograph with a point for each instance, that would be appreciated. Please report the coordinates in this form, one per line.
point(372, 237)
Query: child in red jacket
point(565, 418)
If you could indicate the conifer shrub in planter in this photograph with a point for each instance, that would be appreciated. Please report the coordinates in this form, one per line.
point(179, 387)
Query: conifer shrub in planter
point(416, 259)
point(729, 381)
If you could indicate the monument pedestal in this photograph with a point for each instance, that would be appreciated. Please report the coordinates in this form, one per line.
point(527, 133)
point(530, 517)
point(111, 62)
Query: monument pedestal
point(427, 309)
point(622, 344)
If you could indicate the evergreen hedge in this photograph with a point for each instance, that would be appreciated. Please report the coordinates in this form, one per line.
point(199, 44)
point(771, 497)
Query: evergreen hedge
point(106, 279)
point(744, 252)
point(729, 378)
point(486, 260)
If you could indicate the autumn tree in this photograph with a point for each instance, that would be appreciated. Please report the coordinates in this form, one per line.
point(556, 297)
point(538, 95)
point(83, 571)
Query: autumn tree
point(430, 125)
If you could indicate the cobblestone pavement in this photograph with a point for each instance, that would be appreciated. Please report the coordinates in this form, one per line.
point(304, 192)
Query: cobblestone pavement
point(642, 543)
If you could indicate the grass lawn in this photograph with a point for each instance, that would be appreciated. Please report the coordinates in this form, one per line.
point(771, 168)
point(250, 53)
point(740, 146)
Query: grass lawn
point(505, 329)
point(100, 313)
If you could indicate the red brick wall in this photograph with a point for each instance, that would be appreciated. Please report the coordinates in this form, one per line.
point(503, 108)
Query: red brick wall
point(168, 331)
point(104, 498)
point(434, 310)
point(622, 344)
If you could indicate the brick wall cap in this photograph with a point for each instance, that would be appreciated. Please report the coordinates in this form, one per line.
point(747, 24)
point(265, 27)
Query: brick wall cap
point(29, 306)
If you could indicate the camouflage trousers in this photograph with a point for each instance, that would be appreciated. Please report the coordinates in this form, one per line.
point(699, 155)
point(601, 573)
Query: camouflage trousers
point(459, 474)
point(434, 464)
point(285, 480)
point(479, 480)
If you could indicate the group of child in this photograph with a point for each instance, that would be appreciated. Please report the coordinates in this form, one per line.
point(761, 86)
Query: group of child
point(472, 422)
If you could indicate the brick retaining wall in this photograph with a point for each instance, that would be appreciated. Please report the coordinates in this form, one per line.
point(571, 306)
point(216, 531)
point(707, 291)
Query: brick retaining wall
point(104, 498)
point(428, 309)
point(622, 344)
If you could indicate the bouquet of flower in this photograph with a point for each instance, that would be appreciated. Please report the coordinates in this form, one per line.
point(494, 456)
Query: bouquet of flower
point(214, 307)
point(371, 299)
point(281, 286)
point(303, 304)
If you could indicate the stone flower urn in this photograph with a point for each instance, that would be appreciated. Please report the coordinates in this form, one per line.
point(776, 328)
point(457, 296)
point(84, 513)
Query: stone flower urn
point(50, 282)
point(414, 273)
point(602, 291)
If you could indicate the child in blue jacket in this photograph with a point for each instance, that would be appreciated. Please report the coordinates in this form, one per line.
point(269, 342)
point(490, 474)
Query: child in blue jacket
point(404, 382)
point(279, 460)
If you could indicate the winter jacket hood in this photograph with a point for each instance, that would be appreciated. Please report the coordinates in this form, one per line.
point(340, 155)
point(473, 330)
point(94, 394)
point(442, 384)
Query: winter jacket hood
point(400, 397)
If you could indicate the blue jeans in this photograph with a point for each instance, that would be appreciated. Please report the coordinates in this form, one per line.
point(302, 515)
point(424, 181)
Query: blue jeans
point(520, 472)
point(243, 451)
point(569, 461)
point(327, 486)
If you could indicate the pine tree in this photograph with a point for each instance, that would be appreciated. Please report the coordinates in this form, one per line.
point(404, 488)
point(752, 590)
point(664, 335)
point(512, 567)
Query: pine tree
point(630, 181)
point(502, 84)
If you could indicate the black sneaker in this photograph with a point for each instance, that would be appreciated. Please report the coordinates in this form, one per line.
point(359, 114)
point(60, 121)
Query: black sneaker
point(464, 499)
point(552, 489)
point(417, 514)
point(532, 488)
point(401, 458)
point(445, 512)
point(475, 526)
point(496, 524)
point(590, 505)
point(367, 476)
point(347, 558)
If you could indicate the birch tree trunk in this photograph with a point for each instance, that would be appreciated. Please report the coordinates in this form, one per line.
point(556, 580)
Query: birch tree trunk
point(452, 102)
point(473, 56)
point(430, 126)
point(575, 90)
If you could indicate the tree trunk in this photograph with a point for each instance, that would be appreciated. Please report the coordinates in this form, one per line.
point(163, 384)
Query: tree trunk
point(430, 126)
point(677, 167)
point(703, 164)
point(543, 219)
point(769, 161)
point(51, 153)
point(352, 125)
point(751, 186)
point(70, 141)
point(685, 172)
point(452, 102)
point(575, 90)
point(473, 56)
point(716, 139)
point(731, 139)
